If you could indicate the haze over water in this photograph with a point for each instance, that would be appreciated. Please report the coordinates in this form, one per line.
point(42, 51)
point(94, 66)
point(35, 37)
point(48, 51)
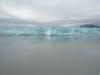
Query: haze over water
point(51, 55)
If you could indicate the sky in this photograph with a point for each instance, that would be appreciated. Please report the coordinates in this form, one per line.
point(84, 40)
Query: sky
point(49, 12)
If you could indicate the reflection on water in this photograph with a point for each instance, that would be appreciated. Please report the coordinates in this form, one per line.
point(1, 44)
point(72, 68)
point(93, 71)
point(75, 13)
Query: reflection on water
point(60, 38)
point(50, 55)
point(73, 37)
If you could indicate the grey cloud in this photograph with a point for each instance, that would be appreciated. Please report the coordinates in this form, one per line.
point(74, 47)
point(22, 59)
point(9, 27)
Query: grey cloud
point(51, 11)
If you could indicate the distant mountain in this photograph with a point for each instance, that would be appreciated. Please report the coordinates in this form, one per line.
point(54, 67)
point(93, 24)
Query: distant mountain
point(90, 26)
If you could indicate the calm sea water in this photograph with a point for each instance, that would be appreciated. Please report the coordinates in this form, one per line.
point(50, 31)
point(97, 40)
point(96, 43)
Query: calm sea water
point(22, 55)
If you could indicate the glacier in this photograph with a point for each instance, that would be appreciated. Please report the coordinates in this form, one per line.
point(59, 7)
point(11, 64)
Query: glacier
point(48, 30)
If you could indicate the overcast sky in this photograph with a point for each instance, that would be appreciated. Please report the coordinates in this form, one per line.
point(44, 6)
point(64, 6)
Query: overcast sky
point(49, 11)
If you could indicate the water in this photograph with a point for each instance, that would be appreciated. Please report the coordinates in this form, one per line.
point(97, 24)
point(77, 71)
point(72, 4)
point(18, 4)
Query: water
point(50, 55)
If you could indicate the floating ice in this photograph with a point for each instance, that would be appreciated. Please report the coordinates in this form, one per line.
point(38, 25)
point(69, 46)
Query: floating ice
point(48, 30)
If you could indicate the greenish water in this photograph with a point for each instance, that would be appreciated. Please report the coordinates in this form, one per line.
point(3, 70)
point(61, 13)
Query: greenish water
point(49, 55)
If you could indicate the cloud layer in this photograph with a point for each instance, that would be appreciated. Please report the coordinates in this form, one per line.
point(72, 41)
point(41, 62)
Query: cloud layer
point(50, 11)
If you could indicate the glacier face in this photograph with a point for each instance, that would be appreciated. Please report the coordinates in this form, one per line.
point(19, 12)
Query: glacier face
point(48, 30)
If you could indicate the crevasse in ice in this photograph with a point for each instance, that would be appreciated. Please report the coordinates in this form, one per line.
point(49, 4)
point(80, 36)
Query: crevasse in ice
point(48, 30)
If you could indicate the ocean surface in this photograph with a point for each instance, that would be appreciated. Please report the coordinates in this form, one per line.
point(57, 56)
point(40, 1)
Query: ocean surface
point(74, 54)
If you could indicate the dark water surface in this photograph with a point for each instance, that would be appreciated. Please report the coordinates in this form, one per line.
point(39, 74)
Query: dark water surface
point(49, 56)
